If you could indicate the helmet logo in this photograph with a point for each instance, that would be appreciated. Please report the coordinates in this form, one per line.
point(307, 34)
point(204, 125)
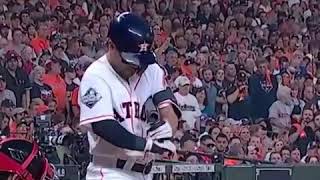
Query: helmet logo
point(143, 47)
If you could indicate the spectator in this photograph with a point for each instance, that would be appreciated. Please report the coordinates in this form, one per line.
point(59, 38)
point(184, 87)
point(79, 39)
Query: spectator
point(58, 85)
point(40, 42)
point(222, 143)
point(40, 92)
point(187, 102)
point(16, 79)
point(281, 110)
point(6, 93)
point(262, 89)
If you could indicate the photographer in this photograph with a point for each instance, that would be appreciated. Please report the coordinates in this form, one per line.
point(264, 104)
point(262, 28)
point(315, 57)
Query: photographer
point(237, 94)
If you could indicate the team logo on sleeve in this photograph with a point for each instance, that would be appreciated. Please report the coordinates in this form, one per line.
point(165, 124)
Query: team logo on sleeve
point(90, 98)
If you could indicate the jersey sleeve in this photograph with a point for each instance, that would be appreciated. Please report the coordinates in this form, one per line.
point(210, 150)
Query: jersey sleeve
point(159, 79)
point(95, 100)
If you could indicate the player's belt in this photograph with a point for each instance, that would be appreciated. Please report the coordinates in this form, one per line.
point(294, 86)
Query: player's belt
point(140, 168)
point(121, 164)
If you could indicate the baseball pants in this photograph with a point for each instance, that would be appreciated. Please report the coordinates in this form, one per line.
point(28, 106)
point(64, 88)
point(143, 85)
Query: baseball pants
point(101, 173)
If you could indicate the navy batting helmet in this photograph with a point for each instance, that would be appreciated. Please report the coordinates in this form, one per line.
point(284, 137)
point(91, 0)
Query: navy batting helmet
point(133, 37)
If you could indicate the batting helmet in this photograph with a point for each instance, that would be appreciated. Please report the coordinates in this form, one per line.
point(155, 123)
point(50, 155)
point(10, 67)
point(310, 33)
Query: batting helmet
point(22, 159)
point(133, 37)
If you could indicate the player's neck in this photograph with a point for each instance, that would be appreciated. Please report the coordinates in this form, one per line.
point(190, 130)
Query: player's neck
point(123, 74)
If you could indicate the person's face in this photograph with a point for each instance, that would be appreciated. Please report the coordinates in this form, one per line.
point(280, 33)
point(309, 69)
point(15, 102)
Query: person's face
point(294, 92)
point(278, 146)
point(184, 89)
point(27, 53)
point(220, 75)
point(8, 110)
point(276, 158)
point(263, 68)
point(181, 42)
point(308, 93)
point(222, 144)
point(307, 115)
point(208, 75)
point(138, 8)
point(12, 64)
point(151, 9)
point(317, 121)
point(234, 141)
point(43, 30)
point(156, 30)
point(4, 123)
point(32, 30)
point(25, 18)
point(226, 131)
point(3, 85)
point(201, 96)
point(252, 153)
point(189, 146)
point(285, 154)
point(255, 142)
point(245, 134)
point(286, 79)
point(215, 133)
point(231, 70)
point(295, 155)
point(207, 146)
point(17, 36)
point(172, 58)
point(38, 75)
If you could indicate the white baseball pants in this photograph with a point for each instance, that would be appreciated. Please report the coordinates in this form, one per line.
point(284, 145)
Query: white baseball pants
point(101, 173)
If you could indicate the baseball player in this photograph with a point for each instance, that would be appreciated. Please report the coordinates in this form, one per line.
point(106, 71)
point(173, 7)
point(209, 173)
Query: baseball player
point(112, 94)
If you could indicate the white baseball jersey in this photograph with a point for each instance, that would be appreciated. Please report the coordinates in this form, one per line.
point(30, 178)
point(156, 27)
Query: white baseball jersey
point(105, 95)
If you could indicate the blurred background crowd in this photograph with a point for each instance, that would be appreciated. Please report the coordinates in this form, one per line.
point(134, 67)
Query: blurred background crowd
point(245, 72)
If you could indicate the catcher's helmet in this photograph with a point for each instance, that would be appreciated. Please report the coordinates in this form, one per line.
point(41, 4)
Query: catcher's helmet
point(22, 159)
point(133, 38)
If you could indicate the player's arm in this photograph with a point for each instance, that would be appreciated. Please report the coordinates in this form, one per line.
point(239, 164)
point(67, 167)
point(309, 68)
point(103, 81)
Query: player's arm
point(96, 114)
point(164, 99)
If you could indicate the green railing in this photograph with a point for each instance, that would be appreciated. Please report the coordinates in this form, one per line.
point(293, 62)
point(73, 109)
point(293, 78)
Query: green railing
point(242, 172)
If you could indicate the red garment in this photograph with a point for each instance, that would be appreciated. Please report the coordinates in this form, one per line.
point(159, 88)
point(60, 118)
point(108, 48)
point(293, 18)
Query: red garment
point(28, 67)
point(39, 44)
point(205, 159)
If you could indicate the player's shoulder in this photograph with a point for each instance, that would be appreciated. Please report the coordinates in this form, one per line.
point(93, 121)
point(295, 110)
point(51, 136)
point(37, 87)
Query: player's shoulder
point(155, 68)
point(98, 69)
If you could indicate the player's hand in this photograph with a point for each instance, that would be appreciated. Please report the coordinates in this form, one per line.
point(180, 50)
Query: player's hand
point(160, 130)
point(161, 147)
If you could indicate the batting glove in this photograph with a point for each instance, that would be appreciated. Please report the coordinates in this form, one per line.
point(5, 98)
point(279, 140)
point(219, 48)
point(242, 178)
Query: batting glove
point(160, 130)
point(160, 147)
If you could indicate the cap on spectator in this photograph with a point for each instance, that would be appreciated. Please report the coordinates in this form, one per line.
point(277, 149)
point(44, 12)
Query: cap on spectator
point(7, 103)
point(11, 55)
point(18, 110)
point(182, 81)
point(55, 36)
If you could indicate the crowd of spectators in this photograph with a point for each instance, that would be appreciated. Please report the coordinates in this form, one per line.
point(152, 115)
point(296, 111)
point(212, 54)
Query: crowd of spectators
point(245, 73)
